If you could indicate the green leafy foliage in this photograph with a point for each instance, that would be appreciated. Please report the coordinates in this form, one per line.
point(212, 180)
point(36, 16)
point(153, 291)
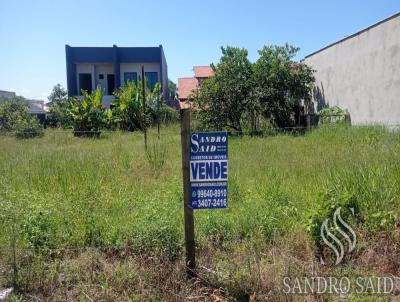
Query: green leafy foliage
point(332, 115)
point(11, 112)
point(39, 229)
point(128, 110)
point(58, 115)
point(280, 83)
point(165, 114)
point(242, 95)
point(28, 128)
point(327, 204)
point(173, 89)
point(15, 116)
point(224, 98)
point(89, 114)
point(61, 196)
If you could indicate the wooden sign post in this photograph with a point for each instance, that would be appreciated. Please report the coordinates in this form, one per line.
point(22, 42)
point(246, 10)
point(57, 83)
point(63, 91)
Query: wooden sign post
point(187, 210)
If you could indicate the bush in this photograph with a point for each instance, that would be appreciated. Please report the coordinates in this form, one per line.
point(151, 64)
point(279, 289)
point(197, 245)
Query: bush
point(14, 116)
point(326, 207)
point(39, 229)
point(166, 115)
point(58, 115)
point(29, 128)
point(12, 111)
point(332, 115)
point(89, 114)
point(128, 107)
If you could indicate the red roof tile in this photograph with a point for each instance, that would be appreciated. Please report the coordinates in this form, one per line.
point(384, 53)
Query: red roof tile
point(203, 71)
point(186, 86)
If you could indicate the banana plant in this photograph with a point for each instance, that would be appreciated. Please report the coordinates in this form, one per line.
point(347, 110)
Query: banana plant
point(89, 114)
point(128, 110)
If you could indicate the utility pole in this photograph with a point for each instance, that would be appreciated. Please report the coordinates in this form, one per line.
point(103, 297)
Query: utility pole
point(187, 210)
point(144, 109)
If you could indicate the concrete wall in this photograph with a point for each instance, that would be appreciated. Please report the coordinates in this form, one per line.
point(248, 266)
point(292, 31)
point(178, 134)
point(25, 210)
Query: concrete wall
point(164, 75)
point(83, 59)
point(102, 68)
point(85, 68)
point(362, 74)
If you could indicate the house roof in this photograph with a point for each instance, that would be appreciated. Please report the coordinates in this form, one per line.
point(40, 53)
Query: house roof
point(108, 54)
point(354, 35)
point(203, 71)
point(186, 86)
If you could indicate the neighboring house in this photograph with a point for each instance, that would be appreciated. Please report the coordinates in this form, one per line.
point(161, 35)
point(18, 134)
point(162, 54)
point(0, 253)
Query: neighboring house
point(35, 107)
point(361, 73)
point(111, 67)
point(189, 84)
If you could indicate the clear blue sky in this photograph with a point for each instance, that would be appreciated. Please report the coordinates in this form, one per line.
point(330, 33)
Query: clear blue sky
point(33, 33)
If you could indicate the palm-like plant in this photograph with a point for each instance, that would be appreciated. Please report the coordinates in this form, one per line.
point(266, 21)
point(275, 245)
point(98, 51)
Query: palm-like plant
point(89, 114)
point(128, 107)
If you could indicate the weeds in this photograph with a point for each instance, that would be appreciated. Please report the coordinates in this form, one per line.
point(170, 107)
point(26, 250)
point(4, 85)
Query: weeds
point(69, 194)
point(155, 155)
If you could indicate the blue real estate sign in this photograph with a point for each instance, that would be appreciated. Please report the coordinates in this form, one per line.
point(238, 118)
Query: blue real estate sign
point(208, 170)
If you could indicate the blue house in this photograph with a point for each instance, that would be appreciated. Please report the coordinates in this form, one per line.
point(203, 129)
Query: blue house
point(111, 67)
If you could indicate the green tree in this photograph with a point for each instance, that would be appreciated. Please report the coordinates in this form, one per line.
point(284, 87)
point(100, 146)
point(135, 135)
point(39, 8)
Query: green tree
point(58, 115)
point(280, 83)
point(172, 90)
point(225, 98)
point(58, 93)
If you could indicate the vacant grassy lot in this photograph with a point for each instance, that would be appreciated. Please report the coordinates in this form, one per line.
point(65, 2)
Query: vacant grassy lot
point(98, 220)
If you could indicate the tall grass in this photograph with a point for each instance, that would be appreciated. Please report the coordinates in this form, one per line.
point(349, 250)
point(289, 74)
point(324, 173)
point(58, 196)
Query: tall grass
point(63, 192)
point(111, 184)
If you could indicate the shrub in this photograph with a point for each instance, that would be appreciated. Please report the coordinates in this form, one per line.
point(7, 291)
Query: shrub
point(58, 115)
point(28, 128)
point(166, 115)
point(128, 111)
point(12, 111)
point(326, 207)
point(39, 229)
point(15, 116)
point(332, 115)
point(89, 114)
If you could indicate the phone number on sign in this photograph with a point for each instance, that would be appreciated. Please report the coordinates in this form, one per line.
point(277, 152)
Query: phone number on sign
point(211, 202)
point(211, 193)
